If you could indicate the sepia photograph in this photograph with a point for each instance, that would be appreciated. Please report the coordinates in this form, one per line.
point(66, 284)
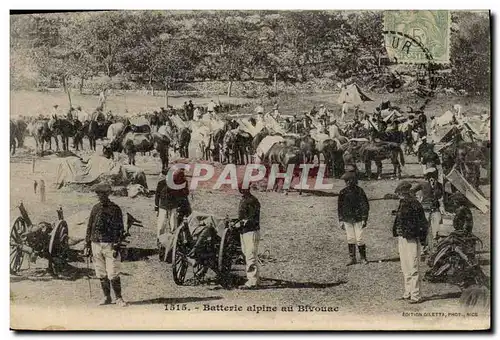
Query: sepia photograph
point(250, 170)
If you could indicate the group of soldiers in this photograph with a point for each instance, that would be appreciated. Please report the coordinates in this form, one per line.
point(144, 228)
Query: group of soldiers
point(416, 224)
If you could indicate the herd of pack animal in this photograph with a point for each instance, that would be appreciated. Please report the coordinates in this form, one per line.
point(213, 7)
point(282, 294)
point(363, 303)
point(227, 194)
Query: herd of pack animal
point(232, 144)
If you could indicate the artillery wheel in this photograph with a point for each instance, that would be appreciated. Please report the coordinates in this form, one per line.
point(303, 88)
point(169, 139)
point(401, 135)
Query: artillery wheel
point(181, 247)
point(58, 245)
point(17, 240)
point(227, 255)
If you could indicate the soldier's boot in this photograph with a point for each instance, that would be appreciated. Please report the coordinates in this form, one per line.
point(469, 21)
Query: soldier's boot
point(106, 289)
point(117, 289)
point(352, 255)
point(362, 254)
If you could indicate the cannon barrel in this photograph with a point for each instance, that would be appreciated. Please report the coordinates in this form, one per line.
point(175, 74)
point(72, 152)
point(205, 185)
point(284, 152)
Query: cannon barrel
point(25, 215)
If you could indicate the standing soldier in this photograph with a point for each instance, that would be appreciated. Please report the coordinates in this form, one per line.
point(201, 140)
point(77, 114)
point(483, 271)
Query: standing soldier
point(422, 121)
point(410, 227)
point(353, 209)
point(432, 202)
point(276, 113)
point(172, 206)
point(154, 121)
point(55, 112)
point(104, 233)
point(69, 115)
point(190, 110)
point(422, 149)
point(211, 108)
point(249, 216)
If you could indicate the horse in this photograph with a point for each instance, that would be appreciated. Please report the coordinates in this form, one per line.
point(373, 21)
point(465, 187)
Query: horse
point(284, 155)
point(114, 129)
point(64, 128)
point(131, 142)
point(41, 133)
point(19, 131)
point(13, 134)
point(97, 130)
point(79, 133)
point(236, 146)
point(377, 152)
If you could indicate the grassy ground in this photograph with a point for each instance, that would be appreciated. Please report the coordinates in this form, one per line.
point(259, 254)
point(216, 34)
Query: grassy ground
point(300, 233)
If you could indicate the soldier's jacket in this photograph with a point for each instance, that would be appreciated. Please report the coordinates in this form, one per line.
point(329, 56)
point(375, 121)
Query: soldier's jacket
point(105, 223)
point(463, 220)
point(249, 210)
point(410, 221)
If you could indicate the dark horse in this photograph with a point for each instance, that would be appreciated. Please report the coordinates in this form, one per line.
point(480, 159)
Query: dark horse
point(13, 134)
point(64, 128)
point(132, 142)
point(284, 155)
point(96, 130)
point(377, 152)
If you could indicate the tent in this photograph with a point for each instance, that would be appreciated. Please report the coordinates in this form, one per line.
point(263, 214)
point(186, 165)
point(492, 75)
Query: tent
point(459, 182)
point(73, 170)
point(444, 119)
point(352, 94)
point(139, 121)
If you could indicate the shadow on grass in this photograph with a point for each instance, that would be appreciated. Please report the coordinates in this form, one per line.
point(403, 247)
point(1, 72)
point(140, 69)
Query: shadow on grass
point(319, 193)
point(454, 295)
point(69, 273)
point(138, 254)
point(267, 283)
point(394, 259)
point(173, 300)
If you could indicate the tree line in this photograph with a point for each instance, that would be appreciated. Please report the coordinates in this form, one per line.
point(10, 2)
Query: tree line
point(157, 47)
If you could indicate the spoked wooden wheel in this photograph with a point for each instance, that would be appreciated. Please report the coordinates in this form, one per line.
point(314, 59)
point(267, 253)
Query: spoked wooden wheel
point(58, 245)
point(227, 255)
point(181, 247)
point(17, 240)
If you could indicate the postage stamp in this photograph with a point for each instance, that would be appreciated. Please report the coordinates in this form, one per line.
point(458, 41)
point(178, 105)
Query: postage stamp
point(409, 31)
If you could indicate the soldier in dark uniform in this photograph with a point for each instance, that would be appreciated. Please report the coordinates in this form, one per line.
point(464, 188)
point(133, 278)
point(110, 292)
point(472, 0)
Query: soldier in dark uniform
point(69, 115)
point(463, 220)
point(422, 149)
point(190, 110)
point(422, 121)
point(249, 216)
point(430, 159)
point(410, 227)
point(104, 233)
point(432, 202)
point(353, 209)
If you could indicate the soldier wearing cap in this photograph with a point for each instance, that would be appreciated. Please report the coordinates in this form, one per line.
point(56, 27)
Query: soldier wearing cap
point(172, 205)
point(275, 113)
point(353, 209)
point(463, 220)
point(422, 149)
point(104, 233)
point(430, 159)
point(432, 201)
point(249, 216)
point(410, 227)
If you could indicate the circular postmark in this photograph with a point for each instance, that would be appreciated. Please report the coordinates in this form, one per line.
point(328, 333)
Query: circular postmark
point(426, 76)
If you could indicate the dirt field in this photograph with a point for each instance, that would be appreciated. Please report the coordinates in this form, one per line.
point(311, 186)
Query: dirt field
point(301, 234)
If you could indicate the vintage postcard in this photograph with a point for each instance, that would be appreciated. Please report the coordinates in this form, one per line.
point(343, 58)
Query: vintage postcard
point(250, 170)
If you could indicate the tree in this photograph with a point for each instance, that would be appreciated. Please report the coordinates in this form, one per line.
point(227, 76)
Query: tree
point(470, 52)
